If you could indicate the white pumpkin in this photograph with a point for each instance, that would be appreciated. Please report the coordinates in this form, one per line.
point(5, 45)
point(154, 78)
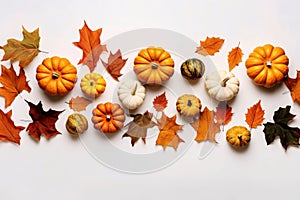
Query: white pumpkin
point(131, 93)
point(222, 85)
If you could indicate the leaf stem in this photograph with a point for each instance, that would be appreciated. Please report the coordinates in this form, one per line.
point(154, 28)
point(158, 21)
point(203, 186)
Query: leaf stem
point(41, 51)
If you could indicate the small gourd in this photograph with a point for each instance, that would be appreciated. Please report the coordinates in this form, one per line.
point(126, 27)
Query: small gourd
point(76, 123)
point(93, 84)
point(188, 105)
point(238, 136)
point(192, 69)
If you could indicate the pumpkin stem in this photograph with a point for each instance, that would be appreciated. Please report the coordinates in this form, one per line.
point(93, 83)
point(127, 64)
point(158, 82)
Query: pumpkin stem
point(134, 90)
point(91, 83)
point(240, 137)
point(108, 118)
point(269, 64)
point(223, 83)
point(154, 65)
point(189, 103)
point(55, 75)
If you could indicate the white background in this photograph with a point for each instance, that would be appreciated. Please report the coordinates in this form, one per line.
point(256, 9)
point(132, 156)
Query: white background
point(62, 169)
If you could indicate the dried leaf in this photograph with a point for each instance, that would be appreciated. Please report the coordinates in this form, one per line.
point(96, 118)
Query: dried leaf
point(43, 121)
point(210, 46)
point(235, 57)
point(255, 115)
point(160, 102)
point(168, 132)
point(293, 85)
point(12, 85)
point(288, 135)
point(205, 126)
point(138, 127)
point(91, 46)
point(79, 103)
point(223, 113)
point(23, 51)
point(8, 130)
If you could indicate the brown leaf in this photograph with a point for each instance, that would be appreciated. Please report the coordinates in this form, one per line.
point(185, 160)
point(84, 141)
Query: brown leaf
point(255, 115)
point(168, 132)
point(8, 130)
point(210, 46)
point(115, 64)
point(223, 113)
point(138, 127)
point(160, 102)
point(235, 57)
point(91, 46)
point(205, 126)
point(12, 85)
point(79, 103)
point(43, 121)
point(23, 51)
point(293, 85)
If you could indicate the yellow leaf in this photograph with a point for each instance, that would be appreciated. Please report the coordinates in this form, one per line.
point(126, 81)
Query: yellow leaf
point(234, 57)
point(210, 46)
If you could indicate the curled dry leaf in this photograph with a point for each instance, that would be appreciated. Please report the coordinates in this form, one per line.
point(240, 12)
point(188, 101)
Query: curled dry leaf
point(160, 102)
point(79, 103)
point(210, 46)
point(293, 85)
point(255, 115)
point(234, 57)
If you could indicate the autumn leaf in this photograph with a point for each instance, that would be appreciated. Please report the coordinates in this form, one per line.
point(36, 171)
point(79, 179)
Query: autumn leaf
point(293, 85)
point(255, 115)
point(23, 51)
point(288, 135)
point(210, 46)
point(79, 103)
point(235, 57)
point(160, 102)
point(138, 127)
point(8, 130)
point(205, 126)
point(168, 132)
point(43, 121)
point(223, 113)
point(115, 64)
point(91, 46)
point(12, 85)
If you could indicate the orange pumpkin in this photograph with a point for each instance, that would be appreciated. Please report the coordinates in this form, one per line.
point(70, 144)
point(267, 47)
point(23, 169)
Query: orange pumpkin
point(56, 76)
point(108, 117)
point(153, 66)
point(267, 65)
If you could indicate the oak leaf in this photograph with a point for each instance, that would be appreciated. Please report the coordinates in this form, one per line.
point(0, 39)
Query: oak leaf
point(8, 130)
point(293, 85)
point(12, 85)
point(115, 64)
point(223, 113)
point(138, 127)
point(210, 46)
point(205, 126)
point(280, 128)
point(43, 121)
point(79, 103)
point(235, 57)
point(160, 102)
point(255, 115)
point(91, 46)
point(23, 51)
point(168, 132)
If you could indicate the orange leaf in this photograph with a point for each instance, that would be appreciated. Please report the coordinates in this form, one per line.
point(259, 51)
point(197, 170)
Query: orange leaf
point(223, 113)
point(255, 115)
point(168, 132)
point(12, 84)
point(293, 85)
point(160, 102)
point(8, 130)
point(210, 46)
point(91, 46)
point(79, 103)
point(235, 57)
point(115, 64)
point(205, 126)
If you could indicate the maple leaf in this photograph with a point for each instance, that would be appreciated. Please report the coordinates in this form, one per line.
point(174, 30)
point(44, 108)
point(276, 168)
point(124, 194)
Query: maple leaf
point(288, 135)
point(205, 126)
point(255, 115)
point(43, 121)
point(91, 46)
point(223, 113)
point(12, 85)
point(8, 130)
point(79, 103)
point(23, 51)
point(235, 57)
point(168, 132)
point(138, 127)
point(210, 46)
point(293, 85)
point(160, 102)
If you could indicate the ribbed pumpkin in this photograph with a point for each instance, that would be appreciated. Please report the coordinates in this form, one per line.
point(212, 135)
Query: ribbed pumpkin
point(56, 76)
point(192, 69)
point(238, 136)
point(153, 66)
point(93, 84)
point(267, 65)
point(188, 105)
point(108, 117)
point(76, 123)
